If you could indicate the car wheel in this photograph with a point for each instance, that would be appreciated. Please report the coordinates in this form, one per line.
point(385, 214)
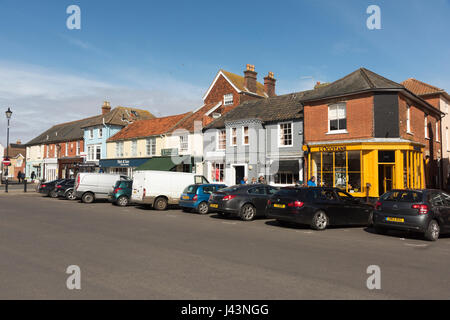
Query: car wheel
point(248, 212)
point(320, 221)
point(203, 208)
point(70, 195)
point(161, 204)
point(53, 194)
point(87, 198)
point(122, 201)
point(433, 230)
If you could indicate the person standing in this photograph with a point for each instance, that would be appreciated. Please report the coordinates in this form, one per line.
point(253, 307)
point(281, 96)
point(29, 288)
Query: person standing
point(244, 180)
point(19, 175)
point(33, 176)
point(262, 180)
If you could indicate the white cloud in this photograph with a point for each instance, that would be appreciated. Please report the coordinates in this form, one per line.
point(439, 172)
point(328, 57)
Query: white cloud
point(41, 97)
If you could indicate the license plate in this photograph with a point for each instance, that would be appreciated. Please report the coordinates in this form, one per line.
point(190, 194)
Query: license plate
point(213, 205)
point(186, 197)
point(391, 219)
point(279, 205)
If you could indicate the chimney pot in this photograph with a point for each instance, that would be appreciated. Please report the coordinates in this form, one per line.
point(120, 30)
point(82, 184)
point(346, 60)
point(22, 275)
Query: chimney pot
point(269, 84)
point(250, 78)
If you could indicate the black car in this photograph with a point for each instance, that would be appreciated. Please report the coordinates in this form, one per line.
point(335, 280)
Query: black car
point(426, 211)
point(64, 189)
point(244, 201)
point(318, 207)
point(47, 187)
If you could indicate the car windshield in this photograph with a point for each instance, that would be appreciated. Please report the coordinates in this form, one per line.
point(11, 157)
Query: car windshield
point(190, 189)
point(403, 196)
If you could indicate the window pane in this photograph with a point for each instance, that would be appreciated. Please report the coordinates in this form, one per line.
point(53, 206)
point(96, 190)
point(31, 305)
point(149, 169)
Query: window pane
point(334, 125)
point(342, 124)
point(327, 158)
point(354, 161)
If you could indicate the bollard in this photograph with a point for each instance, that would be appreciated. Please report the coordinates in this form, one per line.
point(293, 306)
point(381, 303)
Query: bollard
point(24, 185)
point(6, 184)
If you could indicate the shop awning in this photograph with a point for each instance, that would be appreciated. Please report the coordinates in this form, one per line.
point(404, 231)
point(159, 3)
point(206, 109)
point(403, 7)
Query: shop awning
point(164, 163)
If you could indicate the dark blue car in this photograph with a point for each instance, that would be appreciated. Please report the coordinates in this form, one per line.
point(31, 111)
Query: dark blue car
point(196, 196)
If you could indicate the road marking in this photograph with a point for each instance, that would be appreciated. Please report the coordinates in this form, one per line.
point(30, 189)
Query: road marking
point(416, 245)
point(229, 222)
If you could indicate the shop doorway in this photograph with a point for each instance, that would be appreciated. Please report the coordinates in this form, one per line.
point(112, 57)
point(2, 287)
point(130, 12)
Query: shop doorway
point(386, 174)
point(239, 173)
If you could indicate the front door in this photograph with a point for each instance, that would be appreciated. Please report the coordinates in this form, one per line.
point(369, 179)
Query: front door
point(385, 178)
point(239, 173)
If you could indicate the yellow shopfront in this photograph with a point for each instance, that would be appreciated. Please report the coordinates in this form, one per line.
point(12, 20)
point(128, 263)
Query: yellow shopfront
point(367, 169)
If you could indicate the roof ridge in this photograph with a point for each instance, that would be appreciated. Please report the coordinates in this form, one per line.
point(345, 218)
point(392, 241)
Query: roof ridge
point(425, 84)
point(366, 77)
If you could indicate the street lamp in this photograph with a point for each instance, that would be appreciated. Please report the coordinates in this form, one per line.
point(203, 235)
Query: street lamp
point(8, 117)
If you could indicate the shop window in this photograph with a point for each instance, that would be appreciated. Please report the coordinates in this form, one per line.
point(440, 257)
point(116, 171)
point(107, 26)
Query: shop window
point(286, 178)
point(337, 118)
point(340, 176)
point(354, 171)
point(217, 172)
point(386, 156)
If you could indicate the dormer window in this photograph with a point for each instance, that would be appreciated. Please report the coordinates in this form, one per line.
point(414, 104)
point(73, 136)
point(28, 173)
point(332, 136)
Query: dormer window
point(228, 99)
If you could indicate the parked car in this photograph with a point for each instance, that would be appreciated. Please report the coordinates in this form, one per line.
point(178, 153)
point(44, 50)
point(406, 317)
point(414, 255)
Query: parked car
point(245, 201)
point(196, 196)
point(121, 194)
point(47, 187)
point(318, 207)
point(161, 188)
point(65, 188)
point(92, 186)
point(424, 211)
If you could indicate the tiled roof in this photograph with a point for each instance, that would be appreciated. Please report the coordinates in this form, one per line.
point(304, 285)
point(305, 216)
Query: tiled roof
point(15, 150)
point(147, 128)
point(69, 131)
point(358, 81)
point(420, 88)
point(279, 108)
point(188, 123)
point(121, 116)
point(238, 81)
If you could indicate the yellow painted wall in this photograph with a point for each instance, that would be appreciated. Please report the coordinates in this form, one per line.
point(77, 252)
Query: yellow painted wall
point(127, 148)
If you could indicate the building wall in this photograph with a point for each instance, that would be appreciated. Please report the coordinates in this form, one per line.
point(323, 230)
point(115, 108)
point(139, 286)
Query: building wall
point(127, 148)
point(222, 87)
point(360, 117)
point(108, 131)
point(444, 105)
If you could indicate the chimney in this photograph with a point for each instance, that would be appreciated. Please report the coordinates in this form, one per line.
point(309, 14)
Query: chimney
point(19, 142)
point(106, 107)
point(250, 78)
point(269, 84)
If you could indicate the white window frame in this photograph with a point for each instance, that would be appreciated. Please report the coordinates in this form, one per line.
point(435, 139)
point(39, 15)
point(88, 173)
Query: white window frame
point(119, 149)
point(66, 151)
point(233, 129)
point(134, 148)
point(150, 146)
point(184, 143)
point(97, 147)
point(437, 131)
point(408, 119)
point(426, 126)
point(78, 148)
point(219, 132)
point(279, 134)
point(243, 135)
point(91, 133)
point(226, 99)
point(100, 132)
point(337, 105)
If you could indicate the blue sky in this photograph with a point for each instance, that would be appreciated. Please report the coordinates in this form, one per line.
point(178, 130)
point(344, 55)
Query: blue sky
point(162, 55)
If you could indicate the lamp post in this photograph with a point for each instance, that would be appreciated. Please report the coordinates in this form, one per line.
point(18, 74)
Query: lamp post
point(8, 117)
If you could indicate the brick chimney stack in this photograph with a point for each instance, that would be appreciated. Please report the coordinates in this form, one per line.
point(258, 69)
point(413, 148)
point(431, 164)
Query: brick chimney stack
point(250, 78)
point(269, 85)
point(106, 107)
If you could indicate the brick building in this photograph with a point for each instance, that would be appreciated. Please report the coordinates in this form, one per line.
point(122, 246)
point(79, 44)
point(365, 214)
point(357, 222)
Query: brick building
point(368, 134)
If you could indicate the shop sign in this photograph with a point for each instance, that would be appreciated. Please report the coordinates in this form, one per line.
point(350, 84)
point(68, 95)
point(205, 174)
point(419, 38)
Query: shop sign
point(123, 163)
point(332, 148)
point(169, 152)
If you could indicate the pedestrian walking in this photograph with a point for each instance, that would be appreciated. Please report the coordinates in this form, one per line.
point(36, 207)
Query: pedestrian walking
point(19, 176)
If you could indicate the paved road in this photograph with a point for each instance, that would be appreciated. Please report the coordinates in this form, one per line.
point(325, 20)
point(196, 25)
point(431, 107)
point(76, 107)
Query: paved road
point(136, 253)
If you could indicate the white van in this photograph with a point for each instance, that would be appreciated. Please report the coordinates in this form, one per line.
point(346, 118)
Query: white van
point(161, 188)
point(91, 186)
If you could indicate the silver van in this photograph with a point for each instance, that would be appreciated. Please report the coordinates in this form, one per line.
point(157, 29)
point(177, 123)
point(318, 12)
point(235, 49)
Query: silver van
point(92, 186)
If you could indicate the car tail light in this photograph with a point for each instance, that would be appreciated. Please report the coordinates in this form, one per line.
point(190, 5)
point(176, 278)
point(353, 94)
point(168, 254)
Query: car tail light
point(117, 190)
point(58, 186)
point(43, 185)
point(195, 198)
point(78, 182)
point(269, 202)
point(228, 197)
point(296, 204)
point(423, 208)
point(378, 205)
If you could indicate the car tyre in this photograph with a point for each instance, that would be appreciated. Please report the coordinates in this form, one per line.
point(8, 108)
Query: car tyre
point(433, 230)
point(203, 208)
point(320, 221)
point(248, 212)
point(70, 195)
point(87, 198)
point(122, 201)
point(161, 204)
point(53, 194)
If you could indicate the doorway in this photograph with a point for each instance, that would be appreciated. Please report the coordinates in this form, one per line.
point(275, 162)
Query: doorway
point(386, 173)
point(239, 173)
